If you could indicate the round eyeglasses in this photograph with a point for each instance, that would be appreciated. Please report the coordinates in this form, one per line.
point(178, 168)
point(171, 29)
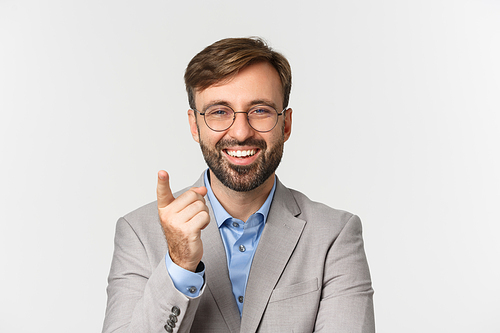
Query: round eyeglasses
point(262, 118)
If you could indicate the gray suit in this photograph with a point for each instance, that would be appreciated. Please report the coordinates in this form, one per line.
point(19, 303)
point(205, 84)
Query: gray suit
point(309, 274)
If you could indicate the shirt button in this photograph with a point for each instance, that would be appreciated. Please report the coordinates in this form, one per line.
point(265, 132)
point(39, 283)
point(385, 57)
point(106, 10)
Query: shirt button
point(236, 225)
point(242, 248)
point(240, 299)
point(192, 290)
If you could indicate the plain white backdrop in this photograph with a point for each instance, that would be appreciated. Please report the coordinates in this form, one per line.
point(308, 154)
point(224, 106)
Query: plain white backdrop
point(396, 118)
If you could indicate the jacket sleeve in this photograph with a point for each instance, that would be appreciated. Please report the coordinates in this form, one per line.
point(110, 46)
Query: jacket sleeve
point(141, 295)
point(346, 304)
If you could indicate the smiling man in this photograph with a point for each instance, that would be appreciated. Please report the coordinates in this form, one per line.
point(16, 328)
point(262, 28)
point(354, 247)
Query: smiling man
point(238, 252)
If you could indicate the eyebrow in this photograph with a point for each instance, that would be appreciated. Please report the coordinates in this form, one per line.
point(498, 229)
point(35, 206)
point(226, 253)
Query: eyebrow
point(263, 102)
point(249, 105)
point(215, 102)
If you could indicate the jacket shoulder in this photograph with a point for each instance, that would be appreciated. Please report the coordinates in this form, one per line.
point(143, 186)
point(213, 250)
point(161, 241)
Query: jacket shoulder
point(144, 213)
point(319, 213)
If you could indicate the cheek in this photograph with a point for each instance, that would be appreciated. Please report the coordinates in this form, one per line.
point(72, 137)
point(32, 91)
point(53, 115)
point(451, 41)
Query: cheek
point(210, 137)
point(273, 139)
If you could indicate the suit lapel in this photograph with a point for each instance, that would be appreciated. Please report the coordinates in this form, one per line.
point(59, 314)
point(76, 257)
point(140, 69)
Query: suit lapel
point(216, 272)
point(279, 238)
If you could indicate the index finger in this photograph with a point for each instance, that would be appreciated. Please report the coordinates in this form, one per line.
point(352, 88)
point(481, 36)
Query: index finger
point(163, 192)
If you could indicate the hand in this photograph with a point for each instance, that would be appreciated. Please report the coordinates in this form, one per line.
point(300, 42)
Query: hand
point(182, 220)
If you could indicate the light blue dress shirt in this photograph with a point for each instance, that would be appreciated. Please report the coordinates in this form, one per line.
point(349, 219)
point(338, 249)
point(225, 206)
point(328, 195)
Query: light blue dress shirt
point(240, 242)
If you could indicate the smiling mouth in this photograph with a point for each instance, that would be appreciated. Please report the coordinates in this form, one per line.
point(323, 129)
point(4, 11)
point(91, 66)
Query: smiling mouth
point(241, 153)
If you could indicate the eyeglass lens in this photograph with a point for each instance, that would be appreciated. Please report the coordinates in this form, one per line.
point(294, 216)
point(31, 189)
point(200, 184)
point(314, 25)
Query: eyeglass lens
point(262, 118)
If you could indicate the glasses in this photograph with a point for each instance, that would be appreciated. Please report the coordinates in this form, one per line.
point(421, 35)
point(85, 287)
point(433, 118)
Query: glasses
point(262, 118)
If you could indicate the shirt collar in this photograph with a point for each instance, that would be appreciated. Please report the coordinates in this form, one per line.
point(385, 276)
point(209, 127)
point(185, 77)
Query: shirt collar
point(220, 213)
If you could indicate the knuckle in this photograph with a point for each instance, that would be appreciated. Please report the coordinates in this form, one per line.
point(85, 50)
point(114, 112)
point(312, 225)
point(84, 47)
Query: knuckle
point(170, 221)
point(191, 194)
point(199, 206)
point(165, 215)
point(203, 215)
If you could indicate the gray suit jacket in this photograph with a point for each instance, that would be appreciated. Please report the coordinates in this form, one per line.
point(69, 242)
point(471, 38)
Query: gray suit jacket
point(309, 274)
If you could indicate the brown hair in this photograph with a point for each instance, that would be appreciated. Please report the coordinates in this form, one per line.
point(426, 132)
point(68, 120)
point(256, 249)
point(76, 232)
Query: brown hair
point(224, 58)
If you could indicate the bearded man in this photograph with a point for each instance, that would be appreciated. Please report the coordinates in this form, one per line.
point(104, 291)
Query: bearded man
point(239, 251)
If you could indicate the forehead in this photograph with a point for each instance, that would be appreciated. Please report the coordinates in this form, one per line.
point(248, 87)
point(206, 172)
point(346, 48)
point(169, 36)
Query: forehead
point(256, 82)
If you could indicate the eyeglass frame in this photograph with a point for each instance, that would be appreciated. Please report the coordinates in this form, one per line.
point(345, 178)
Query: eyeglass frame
point(248, 120)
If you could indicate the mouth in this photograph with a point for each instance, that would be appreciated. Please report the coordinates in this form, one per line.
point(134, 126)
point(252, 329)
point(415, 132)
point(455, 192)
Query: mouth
point(240, 153)
point(241, 156)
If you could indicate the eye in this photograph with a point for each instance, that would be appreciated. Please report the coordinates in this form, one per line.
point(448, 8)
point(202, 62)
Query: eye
point(261, 111)
point(218, 111)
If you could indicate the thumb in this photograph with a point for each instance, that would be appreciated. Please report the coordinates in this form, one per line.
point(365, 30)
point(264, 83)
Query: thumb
point(163, 191)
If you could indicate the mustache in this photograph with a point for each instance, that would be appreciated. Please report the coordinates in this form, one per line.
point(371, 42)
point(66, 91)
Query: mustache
point(224, 143)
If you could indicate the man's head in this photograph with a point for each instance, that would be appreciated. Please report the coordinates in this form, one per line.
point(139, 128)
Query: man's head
point(240, 75)
point(225, 58)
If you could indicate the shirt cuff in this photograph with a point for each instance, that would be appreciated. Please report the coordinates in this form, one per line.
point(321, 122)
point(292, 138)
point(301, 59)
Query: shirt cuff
point(187, 282)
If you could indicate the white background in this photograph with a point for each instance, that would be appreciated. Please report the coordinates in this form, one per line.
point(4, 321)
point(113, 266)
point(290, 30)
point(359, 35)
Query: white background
point(396, 118)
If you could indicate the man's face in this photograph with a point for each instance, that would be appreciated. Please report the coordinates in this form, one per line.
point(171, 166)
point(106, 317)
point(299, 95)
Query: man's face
point(241, 158)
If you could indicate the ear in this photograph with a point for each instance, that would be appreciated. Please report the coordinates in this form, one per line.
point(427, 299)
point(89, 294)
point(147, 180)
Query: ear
point(193, 125)
point(288, 124)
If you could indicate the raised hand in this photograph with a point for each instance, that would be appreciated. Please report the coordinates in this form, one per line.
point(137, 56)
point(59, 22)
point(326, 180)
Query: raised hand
point(182, 219)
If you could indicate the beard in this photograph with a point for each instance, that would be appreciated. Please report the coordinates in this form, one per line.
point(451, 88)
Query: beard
point(243, 178)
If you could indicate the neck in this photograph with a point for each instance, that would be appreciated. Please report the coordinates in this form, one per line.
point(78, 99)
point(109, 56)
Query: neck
point(241, 205)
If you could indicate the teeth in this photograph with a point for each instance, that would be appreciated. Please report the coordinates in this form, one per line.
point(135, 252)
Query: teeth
point(241, 153)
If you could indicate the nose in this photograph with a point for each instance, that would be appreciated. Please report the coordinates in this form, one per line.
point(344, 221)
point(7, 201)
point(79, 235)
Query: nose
point(241, 129)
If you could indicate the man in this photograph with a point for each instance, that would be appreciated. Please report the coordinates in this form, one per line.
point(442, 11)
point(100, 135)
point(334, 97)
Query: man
point(238, 252)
